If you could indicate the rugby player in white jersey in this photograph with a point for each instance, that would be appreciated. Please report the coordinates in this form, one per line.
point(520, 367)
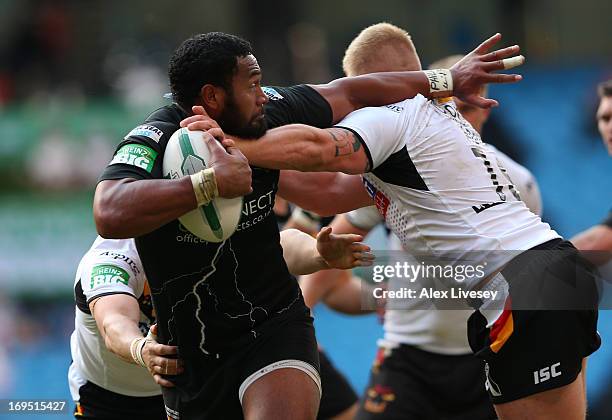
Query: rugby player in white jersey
point(440, 190)
point(114, 313)
point(418, 343)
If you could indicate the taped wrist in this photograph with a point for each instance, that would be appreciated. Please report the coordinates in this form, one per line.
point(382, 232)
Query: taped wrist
point(205, 186)
point(136, 347)
point(440, 83)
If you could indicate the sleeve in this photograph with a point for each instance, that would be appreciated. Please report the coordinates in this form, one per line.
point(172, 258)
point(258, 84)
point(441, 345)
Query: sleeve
point(608, 220)
point(108, 273)
point(365, 218)
point(380, 130)
point(139, 155)
point(299, 104)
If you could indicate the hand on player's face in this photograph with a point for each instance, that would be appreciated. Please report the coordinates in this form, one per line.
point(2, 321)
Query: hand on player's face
point(199, 120)
point(343, 251)
point(475, 70)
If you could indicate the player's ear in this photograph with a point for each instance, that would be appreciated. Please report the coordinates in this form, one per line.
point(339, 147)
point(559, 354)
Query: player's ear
point(213, 98)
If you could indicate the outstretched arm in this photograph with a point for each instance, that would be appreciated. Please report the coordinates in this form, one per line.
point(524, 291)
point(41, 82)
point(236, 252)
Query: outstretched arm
point(305, 255)
point(464, 80)
point(305, 148)
point(467, 77)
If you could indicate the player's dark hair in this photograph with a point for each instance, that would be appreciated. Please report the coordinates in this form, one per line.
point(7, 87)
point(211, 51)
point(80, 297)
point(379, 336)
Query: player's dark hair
point(210, 58)
point(604, 89)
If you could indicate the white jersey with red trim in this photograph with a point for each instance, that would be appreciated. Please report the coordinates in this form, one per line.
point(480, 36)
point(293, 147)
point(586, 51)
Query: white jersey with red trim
point(439, 187)
point(111, 266)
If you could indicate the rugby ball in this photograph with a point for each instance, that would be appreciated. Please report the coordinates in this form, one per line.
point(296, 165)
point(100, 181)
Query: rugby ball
point(187, 154)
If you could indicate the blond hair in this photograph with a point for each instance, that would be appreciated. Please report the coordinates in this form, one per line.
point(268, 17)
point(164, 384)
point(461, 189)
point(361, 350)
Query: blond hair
point(380, 47)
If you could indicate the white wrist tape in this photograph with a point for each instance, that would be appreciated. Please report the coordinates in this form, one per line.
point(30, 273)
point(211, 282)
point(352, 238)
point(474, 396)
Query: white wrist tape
point(440, 83)
point(205, 186)
point(136, 350)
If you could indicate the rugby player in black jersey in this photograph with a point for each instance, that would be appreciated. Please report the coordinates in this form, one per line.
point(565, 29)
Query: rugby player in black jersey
point(233, 309)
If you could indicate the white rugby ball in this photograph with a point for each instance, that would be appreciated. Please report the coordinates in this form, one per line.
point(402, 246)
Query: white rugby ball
point(187, 154)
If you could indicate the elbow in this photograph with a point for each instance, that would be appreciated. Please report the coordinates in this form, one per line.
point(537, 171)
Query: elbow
point(107, 216)
point(105, 224)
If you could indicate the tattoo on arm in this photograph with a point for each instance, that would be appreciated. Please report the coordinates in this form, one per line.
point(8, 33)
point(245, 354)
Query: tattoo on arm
point(346, 143)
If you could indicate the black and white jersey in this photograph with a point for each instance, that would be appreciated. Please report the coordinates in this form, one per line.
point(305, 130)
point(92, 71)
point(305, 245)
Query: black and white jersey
point(111, 266)
point(438, 186)
point(212, 297)
point(438, 331)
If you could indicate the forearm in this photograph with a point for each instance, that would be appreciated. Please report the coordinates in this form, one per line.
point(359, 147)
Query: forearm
point(300, 252)
point(128, 208)
point(119, 331)
point(350, 93)
point(346, 296)
point(308, 149)
point(324, 193)
point(295, 146)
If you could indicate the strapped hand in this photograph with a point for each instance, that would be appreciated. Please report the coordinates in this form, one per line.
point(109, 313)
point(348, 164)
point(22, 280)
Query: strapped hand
point(474, 71)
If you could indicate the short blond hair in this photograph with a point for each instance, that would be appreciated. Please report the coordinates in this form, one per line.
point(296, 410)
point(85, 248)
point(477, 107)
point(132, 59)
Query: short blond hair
point(380, 47)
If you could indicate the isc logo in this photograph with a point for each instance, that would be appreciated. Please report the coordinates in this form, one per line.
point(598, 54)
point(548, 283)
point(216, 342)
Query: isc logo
point(546, 373)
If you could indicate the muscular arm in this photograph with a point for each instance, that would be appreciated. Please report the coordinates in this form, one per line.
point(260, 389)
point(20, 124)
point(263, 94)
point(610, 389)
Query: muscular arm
point(117, 318)
point(347, 94)
point(469, 74)
point(324, 193)
point(127, 208)
point(305, 148)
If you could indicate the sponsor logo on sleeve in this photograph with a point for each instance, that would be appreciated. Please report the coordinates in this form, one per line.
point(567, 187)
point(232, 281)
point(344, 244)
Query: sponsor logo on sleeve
point(108, 274)
point(149, 131)
point(380, 199)
point(137, 155)
point(272, 93)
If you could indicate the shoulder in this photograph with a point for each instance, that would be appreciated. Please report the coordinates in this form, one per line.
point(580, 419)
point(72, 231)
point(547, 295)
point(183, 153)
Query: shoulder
point(110, 262)
point(300, 104)
point(158, 126)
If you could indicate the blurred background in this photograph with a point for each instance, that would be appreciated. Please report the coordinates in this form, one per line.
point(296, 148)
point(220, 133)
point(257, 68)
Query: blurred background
point(76, 76)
